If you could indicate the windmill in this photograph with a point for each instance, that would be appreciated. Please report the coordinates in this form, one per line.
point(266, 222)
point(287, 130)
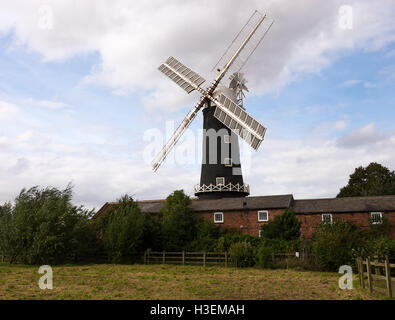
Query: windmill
point(223, 114)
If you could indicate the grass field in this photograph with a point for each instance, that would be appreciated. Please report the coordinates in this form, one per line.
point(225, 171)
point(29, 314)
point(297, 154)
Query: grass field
point(171, 282)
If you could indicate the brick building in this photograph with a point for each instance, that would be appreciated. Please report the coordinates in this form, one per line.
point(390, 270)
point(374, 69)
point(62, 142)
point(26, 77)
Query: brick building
point(247, 214)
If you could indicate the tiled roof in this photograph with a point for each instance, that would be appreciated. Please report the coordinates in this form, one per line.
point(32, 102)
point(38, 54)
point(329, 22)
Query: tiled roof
point(349, 204)
point(306, 206)
point(224, 204)
point(149, 206)
point(227, 204)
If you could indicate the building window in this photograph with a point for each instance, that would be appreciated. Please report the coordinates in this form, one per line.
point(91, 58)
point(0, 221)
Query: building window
point(220, 181)
point(228, 162)
point(327, 218)
point(227, 138)
point(376, 217)
point(218, 217)
point(260, 233)
point(263, 215)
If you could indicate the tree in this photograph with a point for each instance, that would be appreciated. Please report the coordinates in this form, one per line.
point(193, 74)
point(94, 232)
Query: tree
point(44, 227)
point(374, 180)
point(8, 239)
point(242, 254)
point(128, 230)
point(333, 244)
point(178, 221)
point(283, 227)
point(207, 235)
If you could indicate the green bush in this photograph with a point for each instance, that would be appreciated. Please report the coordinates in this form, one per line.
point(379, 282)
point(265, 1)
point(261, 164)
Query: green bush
point(206, 237)
point(128, 231)
point(178, 222)
point(263, 256)
point(334, 243)
point(8, 235)
point(229, 237)
point(269, 247)
point(376, 246)
point(285, 227)
point(242, 254)
point(43, 227)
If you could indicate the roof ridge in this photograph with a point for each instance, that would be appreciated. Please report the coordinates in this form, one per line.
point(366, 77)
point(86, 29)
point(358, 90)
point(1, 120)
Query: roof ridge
point(359, 197)
point(149, 201)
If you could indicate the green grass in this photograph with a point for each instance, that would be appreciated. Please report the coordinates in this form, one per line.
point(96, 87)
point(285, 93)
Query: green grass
point(172, 282)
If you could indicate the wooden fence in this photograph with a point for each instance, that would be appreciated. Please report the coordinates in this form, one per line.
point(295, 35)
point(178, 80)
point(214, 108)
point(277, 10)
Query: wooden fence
point(376, 273)
point(184, 257)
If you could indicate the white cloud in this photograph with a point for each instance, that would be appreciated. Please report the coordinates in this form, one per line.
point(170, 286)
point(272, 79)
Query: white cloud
point(353, 83)
point(55, 105)
point(388, 72)
point(368, 84)
point(350, 83)
point(364, 136)
point(311, 169)
point(133, 38)
point(8, 111)
point(20, 166)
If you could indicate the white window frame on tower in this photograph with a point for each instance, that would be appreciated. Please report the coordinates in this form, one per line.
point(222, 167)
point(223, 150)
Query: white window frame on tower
point(326, 214)
point(222, 217)
point(380, 214)
point(267, 215)
point(228, 162)
point(227, 138)
point(220, 184)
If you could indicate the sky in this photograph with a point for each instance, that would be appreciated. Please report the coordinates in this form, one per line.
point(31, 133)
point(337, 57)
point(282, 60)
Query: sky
point(82, 101)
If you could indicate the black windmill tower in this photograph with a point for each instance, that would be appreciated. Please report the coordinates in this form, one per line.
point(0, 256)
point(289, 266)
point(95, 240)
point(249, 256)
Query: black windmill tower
point(224, 117)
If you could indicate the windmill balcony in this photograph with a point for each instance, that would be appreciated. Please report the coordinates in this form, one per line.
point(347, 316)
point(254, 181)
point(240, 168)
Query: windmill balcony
point(245, 188)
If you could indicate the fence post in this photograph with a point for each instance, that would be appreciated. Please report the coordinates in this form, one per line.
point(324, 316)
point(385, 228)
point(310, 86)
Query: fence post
point(163, 257)
point(362, 273)
point(369, 274)
point(183, 257)
point(204, 258)
point(388, 276)
point(376, 267)
point(359, 272)
point(226, 259)
point(145, 257)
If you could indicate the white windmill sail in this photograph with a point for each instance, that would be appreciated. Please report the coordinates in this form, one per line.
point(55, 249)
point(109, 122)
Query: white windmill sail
point(258, 26)
point(161, 156)
point(181, 75)
point(239, 121)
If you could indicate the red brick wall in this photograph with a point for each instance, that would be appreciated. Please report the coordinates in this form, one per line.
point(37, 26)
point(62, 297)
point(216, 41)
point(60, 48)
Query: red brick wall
point(310, 222)
point(247, 221)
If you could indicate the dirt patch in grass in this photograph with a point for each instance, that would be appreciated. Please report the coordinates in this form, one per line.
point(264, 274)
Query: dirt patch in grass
point(172, 282)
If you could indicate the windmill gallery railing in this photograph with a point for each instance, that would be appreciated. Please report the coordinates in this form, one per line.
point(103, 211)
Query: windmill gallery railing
point(184, 258)
point(377, 275)
point(226, 187)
